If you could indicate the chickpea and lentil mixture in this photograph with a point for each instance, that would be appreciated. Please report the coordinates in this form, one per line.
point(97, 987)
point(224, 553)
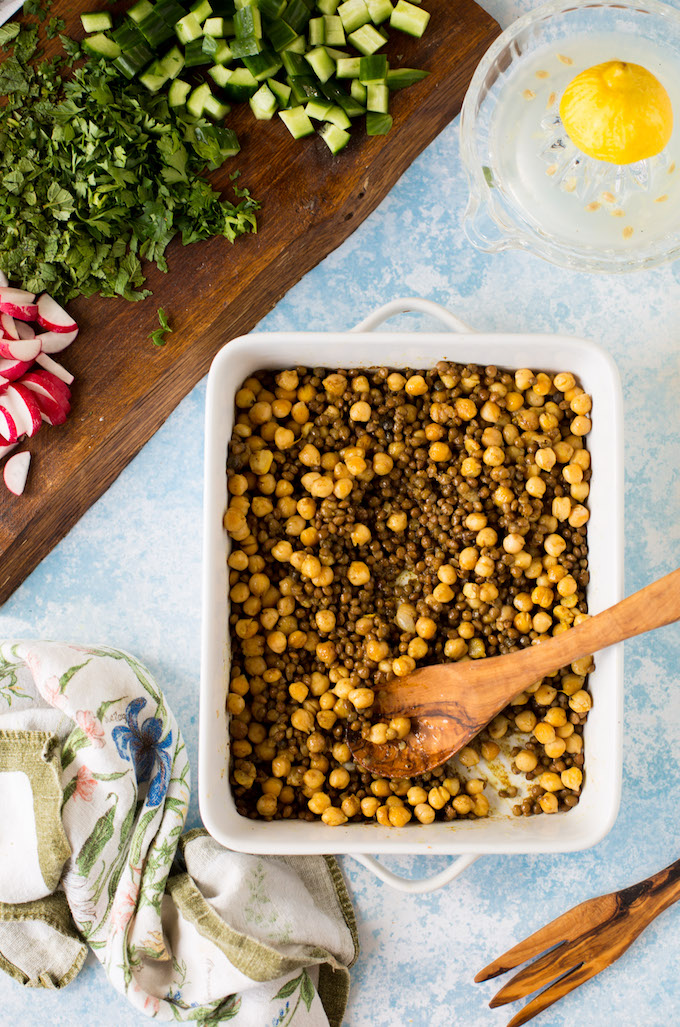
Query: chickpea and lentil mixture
point(382, 520)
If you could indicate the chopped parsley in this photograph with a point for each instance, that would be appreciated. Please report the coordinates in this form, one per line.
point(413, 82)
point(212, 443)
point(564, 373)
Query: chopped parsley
point(97, 176)
point(158, 337)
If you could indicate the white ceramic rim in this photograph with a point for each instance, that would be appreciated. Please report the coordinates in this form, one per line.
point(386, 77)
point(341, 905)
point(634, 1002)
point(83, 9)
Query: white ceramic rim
point(581, 827)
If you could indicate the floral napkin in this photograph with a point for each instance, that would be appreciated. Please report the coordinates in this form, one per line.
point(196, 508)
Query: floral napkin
point(94, 780)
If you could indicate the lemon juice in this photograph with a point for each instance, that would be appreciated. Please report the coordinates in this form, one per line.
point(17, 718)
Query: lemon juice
point(561, 190)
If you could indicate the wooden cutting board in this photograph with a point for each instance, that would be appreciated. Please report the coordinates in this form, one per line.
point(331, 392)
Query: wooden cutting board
point(125, 387)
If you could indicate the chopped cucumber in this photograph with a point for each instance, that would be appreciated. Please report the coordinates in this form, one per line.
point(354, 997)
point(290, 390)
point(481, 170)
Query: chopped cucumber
point(379, 10)
point(263, 65)
point(271, 8)
point(173, 62)
point(155, 30)
point(188, 28)
point(318, 109)
point(220, 75)
point(327, 6)
point(197, 100)
point(337, 117)
point(348, 67)
point(223, 54)
point(297, 14)
point(334, 32)
point(138, 11)
point(297, 122)
point(367, 39)
point(303, 88)
point(215, 109)
point(409, 18)
point(154, 78)
point(281, 91)
point(263, 103)
point(201, 10)
point(372, 69)
point(378, 124)
point(353, 14)
point(321, 64)
point(215, 27)
point(316, 32)
point(248, 22)
point(358, 91)
point(170, 11)
point(102, 46)
point(399, 78)
point(377, 97)
point(178, 92)
point(241, 85)
point(98, 22)
point(294, 63)
point(335, 138)
point(299, 45)
point(246, 46)
point(280, 34)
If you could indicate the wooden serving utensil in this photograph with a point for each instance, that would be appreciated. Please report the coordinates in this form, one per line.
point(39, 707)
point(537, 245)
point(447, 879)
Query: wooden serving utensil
point(450, 703)
point(588, 938)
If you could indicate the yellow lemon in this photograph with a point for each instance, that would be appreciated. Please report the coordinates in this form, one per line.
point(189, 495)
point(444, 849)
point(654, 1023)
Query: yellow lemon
point(617, 112)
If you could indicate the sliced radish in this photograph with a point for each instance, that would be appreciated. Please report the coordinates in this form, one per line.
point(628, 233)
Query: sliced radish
point(20, 349)
point(50, 365)
point(8, 427)
point(19, 303)
point(24, 330)
point(55, 342)
point(23, 408)
point(16, 472)
point(3, 280)
point(4, 450)
point(52, 316)
point(53, 403)
point(9, 329)
point(12, 369)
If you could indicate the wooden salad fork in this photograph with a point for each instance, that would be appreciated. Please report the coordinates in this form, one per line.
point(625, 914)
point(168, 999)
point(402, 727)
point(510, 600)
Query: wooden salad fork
point(581, 942)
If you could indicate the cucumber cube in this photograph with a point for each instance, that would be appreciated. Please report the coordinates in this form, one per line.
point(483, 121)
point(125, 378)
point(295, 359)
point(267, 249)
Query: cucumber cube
point(316, 32)
point(223, 54)
point(378, 124)
point(335, 138)
point(188, 28)
point(201, 10)
point(220, 75)
point(247, 22)
point(263, 103)
point(367, 40)
point(101, 46)
point(215, 109)
point(173, 62)
point(178, 92)
point(334, 33)
point(197, 100)
point(337, 117)
point(139, 11)
point(281, 91)
point(410, 19)
point(372, 69)
point(348, 67)
point(379, 10)
point(399, 78)
point(318, 109)
point(377, 97)
point(327, 6)
point(101, 21)
point(358, 91)
point(297, 122)
point(322, 65)
point(354, 14)
point(214, 27)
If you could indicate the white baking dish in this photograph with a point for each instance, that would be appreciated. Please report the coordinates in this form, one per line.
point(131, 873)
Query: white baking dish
point(577, 829)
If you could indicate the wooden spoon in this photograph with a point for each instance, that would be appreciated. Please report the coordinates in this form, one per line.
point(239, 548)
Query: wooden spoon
point(450, 703)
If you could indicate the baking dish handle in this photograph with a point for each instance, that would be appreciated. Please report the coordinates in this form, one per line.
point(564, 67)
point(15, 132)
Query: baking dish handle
point(420, 884)
point(405, 306)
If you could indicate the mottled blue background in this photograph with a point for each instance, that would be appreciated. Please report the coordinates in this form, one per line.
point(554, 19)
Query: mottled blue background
point(129, 575)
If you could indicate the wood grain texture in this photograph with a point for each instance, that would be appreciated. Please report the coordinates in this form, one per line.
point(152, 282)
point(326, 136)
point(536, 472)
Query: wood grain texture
point(580, 943)
point(311, 201)
point(449, 703)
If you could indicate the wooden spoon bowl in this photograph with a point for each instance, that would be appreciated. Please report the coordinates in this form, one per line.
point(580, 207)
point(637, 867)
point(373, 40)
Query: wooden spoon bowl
point(449, 704)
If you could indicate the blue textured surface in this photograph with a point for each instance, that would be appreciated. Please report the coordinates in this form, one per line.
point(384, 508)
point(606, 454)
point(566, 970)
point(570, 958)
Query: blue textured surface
point(129, 575)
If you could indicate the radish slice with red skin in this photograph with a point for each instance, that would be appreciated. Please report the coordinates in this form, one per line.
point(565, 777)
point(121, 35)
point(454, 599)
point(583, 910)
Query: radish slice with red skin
point(20, 349)
point(8, 427)
point(24, 330)
point(19, 303)
point(53, 317)
point(52, 366)
point(27, 417)
point(12, 369)
point(55, 342)
point(48, 392)
point(9, 329)
point(51, 410)
point(16, 472)
point(4, 450)
point(51, 384)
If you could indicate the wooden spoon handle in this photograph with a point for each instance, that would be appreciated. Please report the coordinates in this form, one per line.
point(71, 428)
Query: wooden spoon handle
point(648, 898)
point(652, 607)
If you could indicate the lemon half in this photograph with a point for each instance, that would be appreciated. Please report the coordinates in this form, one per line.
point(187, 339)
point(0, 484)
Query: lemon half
point(617, 112)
